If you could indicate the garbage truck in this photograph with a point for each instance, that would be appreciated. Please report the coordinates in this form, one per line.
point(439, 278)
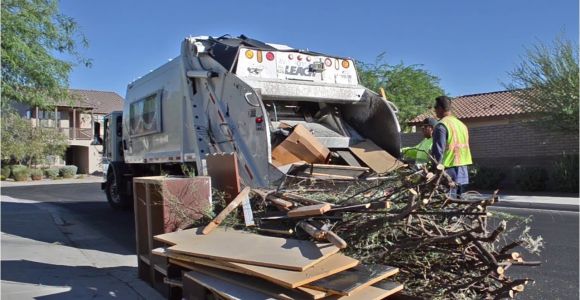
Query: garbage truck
point(235, 95)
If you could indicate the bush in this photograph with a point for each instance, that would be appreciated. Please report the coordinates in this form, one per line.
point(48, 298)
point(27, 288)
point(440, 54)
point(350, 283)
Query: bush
point(6, 171)
point(486, 178)
point(68, 171)
point(51, 173)
point(532, 179)
point(564, 174)
point(20, 173)
point(36, 174)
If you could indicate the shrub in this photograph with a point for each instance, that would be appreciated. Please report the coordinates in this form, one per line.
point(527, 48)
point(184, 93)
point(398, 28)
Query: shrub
point(68, 171)
point(20, 173)
point(564, 174)
point(486, 178)
point(6, 171)
point(36, 174)
point(51, 173)
point(532, 179)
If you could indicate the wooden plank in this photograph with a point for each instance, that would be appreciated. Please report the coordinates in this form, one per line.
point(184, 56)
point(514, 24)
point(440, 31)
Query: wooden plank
point(352, 280)
point(254, 249)
point(225, 289)
point(325, 170)
point(375, 157)
point(377, 291)
point(310, 210)
point(242, 196)
point(224, 173)
point(348, 157)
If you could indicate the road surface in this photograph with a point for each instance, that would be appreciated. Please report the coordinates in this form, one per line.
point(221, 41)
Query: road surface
point(556, 278)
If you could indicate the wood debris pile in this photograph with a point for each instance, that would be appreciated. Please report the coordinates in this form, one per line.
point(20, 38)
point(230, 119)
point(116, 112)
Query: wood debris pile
point(445, 247)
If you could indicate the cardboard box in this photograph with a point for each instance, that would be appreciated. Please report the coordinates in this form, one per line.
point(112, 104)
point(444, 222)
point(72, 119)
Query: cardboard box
point(300, 145)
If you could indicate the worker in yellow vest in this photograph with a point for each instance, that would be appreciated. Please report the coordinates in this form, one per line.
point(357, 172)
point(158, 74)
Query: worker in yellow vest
point(420, 153)
point(451, 144)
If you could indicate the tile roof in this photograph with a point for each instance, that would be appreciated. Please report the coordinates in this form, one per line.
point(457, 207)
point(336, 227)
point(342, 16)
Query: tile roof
point(494, 104)
point(102, 102)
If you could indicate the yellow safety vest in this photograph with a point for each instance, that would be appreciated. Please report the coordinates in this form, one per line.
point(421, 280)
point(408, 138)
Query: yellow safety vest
point(457, 151)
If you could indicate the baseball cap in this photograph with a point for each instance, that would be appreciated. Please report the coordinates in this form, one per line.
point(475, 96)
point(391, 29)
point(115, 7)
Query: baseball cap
point(429, 122)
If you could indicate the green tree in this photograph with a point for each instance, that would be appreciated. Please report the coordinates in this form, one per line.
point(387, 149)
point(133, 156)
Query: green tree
point(546, 81)
point(29, 144)
point(412, 88)
point(32, 31)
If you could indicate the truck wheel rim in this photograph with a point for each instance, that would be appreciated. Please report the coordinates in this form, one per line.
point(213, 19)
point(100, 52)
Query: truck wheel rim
point(114, 192)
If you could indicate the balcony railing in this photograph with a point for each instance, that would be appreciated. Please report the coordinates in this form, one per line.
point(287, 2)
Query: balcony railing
point(77, 133)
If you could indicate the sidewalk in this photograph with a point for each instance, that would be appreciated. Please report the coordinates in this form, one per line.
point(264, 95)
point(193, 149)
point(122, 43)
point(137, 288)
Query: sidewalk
point(48, 255)
point(539, 202)
point(86, 179)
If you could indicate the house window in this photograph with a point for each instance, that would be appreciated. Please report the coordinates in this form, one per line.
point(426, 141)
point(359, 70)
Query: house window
point(48, 118)
point(145, 115)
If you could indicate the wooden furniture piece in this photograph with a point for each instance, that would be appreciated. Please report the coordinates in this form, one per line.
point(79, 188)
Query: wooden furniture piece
point(164, 204)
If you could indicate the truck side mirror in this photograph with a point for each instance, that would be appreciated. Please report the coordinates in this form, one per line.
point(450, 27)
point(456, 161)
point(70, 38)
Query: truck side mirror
point(97, 140)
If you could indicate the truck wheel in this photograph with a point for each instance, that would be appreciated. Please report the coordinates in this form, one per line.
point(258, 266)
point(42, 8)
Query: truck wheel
point(114, 197)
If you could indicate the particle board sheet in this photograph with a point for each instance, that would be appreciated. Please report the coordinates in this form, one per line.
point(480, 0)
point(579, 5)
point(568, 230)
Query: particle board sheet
point(375, 157)
point(254, 249)
point(254, 283)
point(285, 278)
point(376, 291)
point(352, 280)
point(225, 289)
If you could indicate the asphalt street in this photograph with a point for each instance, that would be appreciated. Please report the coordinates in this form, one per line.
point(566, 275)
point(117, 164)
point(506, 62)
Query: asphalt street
point(556, 278)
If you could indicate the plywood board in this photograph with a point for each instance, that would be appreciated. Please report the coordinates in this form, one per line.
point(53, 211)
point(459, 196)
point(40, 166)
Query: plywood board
point(225, 289)
point(332, 265)
point(352, 280)
point(254, 283)
point(375, 157)
point(239, 246)
point(377, 291)
point(188, 262)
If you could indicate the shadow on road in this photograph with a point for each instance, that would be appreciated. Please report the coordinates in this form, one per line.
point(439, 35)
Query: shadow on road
point(84, 221)
point(84, 281)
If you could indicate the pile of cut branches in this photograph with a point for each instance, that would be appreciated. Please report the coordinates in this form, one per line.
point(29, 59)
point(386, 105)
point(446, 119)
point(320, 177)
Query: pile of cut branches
point(445, 247)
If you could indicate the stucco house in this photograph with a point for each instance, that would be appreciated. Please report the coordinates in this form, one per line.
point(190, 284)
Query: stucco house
point(500, 135)
point(76, 120)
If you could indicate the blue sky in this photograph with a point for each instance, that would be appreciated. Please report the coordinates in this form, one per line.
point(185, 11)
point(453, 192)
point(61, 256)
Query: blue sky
point(469, 45)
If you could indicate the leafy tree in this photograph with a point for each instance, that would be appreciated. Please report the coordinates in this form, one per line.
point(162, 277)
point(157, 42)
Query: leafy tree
point(32, 31)
point(29, 144)
point(412, 88)
point(547, 83)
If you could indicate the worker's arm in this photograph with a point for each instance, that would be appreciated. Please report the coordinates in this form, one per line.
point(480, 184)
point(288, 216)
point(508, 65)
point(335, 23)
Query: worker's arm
point(439, 142)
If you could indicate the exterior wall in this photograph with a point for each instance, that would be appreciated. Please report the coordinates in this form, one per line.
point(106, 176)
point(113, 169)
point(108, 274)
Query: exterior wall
point(95, 159)
point(514, 144)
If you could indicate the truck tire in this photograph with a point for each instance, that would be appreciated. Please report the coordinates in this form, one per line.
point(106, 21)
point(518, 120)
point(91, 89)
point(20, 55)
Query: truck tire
point(116, 199)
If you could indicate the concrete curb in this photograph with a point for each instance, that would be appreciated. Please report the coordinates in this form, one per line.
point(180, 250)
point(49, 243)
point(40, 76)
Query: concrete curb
point(532, 205)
